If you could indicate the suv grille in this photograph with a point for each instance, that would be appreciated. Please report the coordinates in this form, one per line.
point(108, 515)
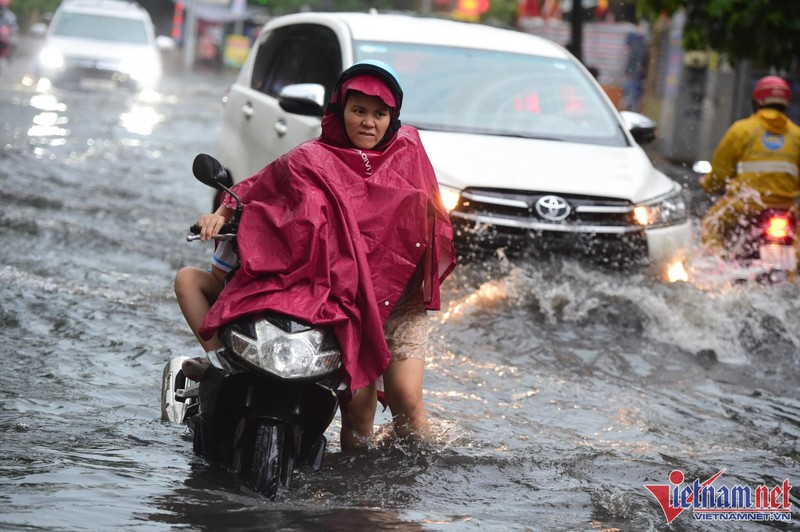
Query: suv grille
point(602, 228)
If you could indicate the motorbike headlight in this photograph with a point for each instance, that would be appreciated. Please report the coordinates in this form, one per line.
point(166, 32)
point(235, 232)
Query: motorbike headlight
point(665, 210)
point(450, 197)
point(289, 355)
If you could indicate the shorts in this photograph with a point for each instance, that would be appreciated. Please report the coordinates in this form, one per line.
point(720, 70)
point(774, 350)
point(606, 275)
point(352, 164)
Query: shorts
point(407, 329)
point(224, 257)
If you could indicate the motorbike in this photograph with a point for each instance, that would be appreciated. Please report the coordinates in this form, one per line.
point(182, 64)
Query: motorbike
point(763, 251)
point(765, 247)
point(263, 405)
point(6, 45)
point(8, 35)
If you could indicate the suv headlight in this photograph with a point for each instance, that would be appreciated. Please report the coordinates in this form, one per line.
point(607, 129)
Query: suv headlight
point(290, 354)
point(450, 197)
point(51, 58)
point(665, 210)
point(144, 69)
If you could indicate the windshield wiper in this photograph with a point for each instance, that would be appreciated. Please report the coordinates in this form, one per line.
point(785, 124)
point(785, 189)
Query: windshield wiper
point(522, 136)
point(473, 131)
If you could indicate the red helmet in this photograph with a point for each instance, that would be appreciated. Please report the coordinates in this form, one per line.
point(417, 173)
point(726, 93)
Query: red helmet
point(772, 90)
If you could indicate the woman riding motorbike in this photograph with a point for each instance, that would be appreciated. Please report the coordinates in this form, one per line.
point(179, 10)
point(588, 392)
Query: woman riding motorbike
point(348, 230)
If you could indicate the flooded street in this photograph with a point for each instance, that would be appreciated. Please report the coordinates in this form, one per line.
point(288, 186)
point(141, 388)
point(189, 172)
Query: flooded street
point(556, 391)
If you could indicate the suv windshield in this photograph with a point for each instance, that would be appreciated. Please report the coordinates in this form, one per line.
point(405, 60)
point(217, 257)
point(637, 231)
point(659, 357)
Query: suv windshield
point(497, 93)
point(101, 27)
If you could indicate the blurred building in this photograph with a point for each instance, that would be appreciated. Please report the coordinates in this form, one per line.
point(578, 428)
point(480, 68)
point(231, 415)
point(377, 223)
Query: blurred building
point(614, 48)
point(204, 28)
point(696, 96)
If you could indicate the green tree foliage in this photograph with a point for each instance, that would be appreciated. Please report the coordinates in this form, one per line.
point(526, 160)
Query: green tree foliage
point(501, 13)
point(30, 11)
point(764, 31)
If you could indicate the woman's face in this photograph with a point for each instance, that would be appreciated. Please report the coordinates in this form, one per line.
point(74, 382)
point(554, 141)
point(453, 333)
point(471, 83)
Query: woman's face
point(366, 119)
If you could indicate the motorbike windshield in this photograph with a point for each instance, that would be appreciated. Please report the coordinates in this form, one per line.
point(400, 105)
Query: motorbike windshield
point(497, 93)
point(101, 27)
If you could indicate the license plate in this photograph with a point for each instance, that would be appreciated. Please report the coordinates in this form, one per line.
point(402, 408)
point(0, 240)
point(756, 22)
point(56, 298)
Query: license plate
point(97, 84)
point(778, 256)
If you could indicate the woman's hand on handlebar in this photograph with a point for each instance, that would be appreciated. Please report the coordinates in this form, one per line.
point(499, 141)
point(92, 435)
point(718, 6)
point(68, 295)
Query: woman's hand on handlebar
point(210, 224)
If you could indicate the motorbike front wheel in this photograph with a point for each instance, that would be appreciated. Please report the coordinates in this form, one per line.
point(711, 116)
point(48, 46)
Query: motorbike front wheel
point(268, 459)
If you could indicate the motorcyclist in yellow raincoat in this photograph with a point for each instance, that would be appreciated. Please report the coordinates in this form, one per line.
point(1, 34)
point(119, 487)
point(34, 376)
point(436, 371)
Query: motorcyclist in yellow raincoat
point(755, 165)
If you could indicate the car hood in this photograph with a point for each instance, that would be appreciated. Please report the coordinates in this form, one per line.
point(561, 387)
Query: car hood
point(100, 50)
point(484, 161)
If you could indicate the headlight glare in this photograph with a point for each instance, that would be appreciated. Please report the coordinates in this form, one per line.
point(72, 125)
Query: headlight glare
point(666, 210)
point(51, 58)
point(450, 197)
point(141, 71)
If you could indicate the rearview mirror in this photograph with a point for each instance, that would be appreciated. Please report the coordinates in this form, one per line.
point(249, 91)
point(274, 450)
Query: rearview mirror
point(307, 99)
point(701, 167)
point(165, 44)
point(38, 29)
point(642, 128)
point(210, 172)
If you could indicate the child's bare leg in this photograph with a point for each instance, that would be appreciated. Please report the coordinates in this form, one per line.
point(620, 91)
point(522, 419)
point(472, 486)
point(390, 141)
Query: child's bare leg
point(358, 418)
point(196, 290)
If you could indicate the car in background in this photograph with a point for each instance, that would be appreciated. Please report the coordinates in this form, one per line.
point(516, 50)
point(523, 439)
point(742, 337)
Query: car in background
point(530, 154)
point(101, 44)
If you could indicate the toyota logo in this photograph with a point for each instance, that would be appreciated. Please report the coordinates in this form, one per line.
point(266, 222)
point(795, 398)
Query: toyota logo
point(552, 208)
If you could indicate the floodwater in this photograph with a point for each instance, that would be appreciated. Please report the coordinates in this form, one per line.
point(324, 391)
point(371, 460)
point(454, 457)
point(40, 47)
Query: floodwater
point(556, 391)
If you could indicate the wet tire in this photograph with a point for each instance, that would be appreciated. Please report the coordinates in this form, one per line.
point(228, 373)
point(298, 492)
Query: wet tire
point(198, 445)
point(243, 454)
point(203, 443)
point(268, 458)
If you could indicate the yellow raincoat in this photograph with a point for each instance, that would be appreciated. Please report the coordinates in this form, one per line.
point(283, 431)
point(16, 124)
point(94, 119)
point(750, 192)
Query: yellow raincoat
point(757, 166)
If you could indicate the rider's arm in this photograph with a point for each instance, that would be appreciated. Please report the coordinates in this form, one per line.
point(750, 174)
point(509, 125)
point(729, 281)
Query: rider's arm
point(723, 164)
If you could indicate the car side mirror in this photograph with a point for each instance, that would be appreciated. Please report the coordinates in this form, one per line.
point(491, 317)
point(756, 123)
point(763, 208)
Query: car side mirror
point(642, 128)
point(307, 99)
point(38, 29)
point(165, 44)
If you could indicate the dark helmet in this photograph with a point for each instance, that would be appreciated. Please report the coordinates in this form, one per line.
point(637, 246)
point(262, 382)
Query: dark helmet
point(772, 90)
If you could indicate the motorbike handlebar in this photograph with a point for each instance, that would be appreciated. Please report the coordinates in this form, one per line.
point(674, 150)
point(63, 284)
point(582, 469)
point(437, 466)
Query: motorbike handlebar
point(221, 237)
point(225, 233)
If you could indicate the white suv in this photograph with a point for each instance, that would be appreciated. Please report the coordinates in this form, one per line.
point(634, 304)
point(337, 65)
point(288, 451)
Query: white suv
point(529, 152)
point(96, 44)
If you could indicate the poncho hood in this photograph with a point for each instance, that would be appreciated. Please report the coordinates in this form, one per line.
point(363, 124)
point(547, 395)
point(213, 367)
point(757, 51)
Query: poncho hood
point(373, 78)
point(774, 121)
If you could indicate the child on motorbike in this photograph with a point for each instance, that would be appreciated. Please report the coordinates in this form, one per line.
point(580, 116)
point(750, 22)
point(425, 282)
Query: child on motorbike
point(755, 165)
point(197, 289)
point(348, 230)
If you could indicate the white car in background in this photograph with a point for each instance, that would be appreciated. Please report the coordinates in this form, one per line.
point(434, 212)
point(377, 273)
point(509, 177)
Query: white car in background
point(101, 44)
point(530, 154)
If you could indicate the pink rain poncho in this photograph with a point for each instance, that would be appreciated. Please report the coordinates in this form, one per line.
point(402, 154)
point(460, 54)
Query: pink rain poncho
point(333, 235)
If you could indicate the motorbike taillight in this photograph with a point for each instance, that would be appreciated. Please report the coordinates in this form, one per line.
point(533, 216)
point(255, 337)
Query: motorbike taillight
point(779, 227)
